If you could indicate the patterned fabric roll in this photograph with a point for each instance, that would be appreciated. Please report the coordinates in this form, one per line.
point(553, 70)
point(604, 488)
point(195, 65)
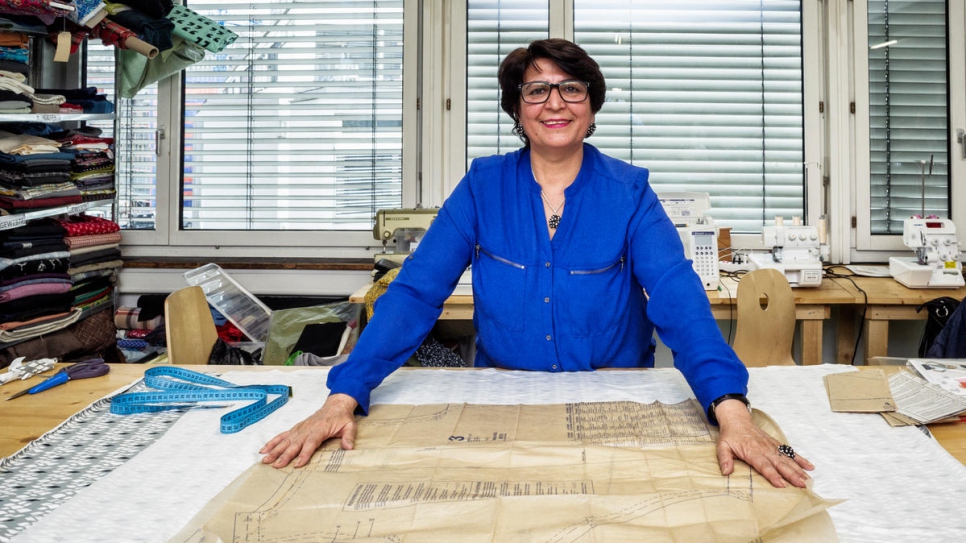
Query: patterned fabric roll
point(200, 30)
point(126, 318)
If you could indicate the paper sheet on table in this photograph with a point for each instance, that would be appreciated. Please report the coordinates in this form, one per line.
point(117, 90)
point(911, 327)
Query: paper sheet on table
point(859, 392)
point(923, 401)
point(591, 472)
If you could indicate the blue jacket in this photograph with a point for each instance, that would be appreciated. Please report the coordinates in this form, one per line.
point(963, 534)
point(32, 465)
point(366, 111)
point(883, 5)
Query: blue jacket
point(574, 303)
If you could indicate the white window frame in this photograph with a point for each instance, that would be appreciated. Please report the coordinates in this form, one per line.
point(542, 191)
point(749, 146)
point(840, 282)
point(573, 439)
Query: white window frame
point(168, 240)
point(867, 247)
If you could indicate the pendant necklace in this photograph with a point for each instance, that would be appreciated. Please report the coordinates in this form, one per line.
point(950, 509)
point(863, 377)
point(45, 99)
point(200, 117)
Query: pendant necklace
point(555, 217)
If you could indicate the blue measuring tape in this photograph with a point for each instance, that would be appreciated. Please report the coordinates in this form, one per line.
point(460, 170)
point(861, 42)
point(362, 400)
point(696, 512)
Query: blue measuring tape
point(182, 388)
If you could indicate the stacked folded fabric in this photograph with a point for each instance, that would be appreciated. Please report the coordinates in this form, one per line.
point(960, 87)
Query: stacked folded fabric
point(14, 67)
point(57, 278)
point(85, 100)
point(35, 288)
point(44, 166)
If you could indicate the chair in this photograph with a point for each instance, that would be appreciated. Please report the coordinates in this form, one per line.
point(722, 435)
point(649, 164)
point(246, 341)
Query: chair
point(189, 328)
point(766, 319)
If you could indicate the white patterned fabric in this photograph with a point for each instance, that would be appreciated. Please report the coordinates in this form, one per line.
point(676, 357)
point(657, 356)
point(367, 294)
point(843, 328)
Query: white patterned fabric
point(900, 485)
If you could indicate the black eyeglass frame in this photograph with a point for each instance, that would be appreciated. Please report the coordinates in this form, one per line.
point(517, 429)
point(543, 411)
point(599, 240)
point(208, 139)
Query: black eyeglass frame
point(553, 86)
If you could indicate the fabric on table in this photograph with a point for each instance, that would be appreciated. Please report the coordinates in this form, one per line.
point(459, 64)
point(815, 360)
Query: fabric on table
point(95, 441)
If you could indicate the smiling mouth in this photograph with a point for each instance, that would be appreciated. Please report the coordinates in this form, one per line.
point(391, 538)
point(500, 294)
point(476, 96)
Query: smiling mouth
point(553, 124)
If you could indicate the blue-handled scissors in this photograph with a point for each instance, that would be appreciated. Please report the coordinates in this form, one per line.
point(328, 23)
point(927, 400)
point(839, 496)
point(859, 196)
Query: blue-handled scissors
point(94, 367)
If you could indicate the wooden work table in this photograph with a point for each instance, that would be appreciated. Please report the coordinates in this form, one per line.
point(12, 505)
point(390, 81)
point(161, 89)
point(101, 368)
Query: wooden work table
point(812, 306)
point(29, 417)
point(887, 300)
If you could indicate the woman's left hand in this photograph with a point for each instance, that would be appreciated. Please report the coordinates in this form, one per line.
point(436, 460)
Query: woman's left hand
point(740, 438)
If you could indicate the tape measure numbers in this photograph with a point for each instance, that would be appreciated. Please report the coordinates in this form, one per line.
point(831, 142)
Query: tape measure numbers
point(180, 388)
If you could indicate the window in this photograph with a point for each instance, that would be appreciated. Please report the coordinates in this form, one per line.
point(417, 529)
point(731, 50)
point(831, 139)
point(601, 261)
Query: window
point(134, 142)
point(910, 102)
point(297, 125)
point(493, 30)
point(709, 97)
point(908, 112)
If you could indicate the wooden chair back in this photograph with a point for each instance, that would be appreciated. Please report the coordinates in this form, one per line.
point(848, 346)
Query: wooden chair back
point(189, 327)
point(766, 319)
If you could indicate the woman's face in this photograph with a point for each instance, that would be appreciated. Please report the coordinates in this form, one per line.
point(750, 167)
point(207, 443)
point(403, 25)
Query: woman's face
point(554, 124)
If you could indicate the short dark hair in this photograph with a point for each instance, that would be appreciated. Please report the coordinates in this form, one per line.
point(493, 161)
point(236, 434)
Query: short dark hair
point(569, 56)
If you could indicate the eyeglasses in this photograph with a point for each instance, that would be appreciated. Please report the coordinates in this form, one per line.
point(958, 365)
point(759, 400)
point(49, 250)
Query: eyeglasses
point(537, 92)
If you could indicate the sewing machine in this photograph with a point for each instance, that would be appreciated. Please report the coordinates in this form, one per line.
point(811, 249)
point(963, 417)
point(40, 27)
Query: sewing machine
point(403, 228)
point(936, 264)
point(796, 251)
point(698, 232)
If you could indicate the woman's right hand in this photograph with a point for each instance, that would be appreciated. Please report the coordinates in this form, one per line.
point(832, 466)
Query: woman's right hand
point(336, 418)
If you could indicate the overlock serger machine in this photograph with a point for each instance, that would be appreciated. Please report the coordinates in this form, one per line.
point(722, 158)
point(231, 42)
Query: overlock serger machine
point(796, 251)
point(403, 229)
point(936, 264)
point(698, 232)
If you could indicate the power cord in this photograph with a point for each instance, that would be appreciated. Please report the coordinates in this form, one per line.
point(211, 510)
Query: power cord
point(829, 272)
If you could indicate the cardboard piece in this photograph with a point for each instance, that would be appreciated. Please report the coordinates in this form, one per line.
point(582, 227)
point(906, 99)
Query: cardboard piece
point(859, 392)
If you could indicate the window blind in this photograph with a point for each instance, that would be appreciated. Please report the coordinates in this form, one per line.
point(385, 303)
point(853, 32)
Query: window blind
point(494, 28)
point(297, 125)
point(707, 95)
point(908, 112)
point(135, 165)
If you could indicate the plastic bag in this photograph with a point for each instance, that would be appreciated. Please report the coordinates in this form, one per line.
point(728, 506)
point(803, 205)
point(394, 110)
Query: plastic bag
point(286, 327)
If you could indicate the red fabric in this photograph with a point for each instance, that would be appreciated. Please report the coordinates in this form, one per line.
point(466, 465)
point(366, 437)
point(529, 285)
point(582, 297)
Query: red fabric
point(230, 333)
point(84, 225)
point(112, 33)
point(9, 203)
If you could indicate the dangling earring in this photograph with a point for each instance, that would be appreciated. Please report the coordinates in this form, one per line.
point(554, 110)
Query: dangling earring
point(520, 132)
point(591, 129)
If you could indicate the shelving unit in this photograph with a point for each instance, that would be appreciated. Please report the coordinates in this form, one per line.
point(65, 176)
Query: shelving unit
point(8, 222)
point(56, 117)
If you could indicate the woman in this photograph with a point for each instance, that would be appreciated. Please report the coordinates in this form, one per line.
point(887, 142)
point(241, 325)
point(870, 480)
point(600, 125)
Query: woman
point(564, 241)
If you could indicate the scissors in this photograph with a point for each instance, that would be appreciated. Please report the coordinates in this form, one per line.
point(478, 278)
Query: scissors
point(94, 367)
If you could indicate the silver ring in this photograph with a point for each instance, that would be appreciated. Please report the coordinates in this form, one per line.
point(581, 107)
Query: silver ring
point(787, 451)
